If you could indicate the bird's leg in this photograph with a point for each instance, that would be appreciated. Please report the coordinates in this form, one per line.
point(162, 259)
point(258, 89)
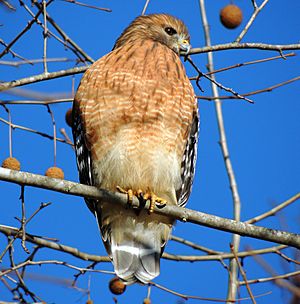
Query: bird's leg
point(154, 201)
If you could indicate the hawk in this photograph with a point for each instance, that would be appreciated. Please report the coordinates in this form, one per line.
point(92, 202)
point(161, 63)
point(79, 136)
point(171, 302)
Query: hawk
point(135, 128)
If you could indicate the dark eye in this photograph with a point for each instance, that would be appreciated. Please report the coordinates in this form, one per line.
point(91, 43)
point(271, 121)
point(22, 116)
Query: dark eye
point(170, 31)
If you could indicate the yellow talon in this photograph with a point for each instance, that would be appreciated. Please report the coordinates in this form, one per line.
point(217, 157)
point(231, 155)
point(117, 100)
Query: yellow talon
point(154, 200)
point(129, 193)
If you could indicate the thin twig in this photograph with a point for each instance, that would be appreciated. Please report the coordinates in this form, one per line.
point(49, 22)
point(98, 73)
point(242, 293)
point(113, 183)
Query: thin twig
point(67, 138)
point(268, 89)
point(34, 131)
point(26, 28)
point(41, 77)
point(89, 6)
point(54, 262)
point(14, 54)
point(193, 245)
point(23, 220)
point(251, 20)
point(274, 210)
point(40, 241)
point(33, 61)
point(54, 133)
point(35, 102)
point(234, 46)
point(276, 277)
point(284, 256)
point(186, 297)
point(21, 284)
point(242, 273)
point(70, 47)
point(45, 34)
point(145, 7)
point(243, 64)
point(63, 34)
point(213, 80)
point(280, 282)
point(9, 131)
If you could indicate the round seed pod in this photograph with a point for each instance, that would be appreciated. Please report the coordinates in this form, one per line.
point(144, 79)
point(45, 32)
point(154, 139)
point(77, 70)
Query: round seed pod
point(55, 172)
point(147, 301)
point(116, 286)
point(231, 16)
point(69, 118)
point(11, 163)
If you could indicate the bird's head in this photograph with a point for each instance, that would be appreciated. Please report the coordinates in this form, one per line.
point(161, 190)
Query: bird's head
point(162, 28)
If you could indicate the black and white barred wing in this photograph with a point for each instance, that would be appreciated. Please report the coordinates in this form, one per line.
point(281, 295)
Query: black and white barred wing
point(188, 163)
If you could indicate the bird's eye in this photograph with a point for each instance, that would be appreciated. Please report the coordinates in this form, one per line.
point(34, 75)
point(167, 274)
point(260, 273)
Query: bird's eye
point(170, 31)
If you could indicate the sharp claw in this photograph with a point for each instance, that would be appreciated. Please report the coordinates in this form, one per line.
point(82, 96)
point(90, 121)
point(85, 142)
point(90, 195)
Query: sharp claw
point(152, 204)
point(161, 203)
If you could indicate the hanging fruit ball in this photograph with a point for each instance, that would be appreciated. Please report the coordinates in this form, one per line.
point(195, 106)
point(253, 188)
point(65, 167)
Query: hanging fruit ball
point(55, 172)
point(231, 16)
point(116, 286)
point(68, 117)
point(147, 301)
point(89, 301)
point(11, 163)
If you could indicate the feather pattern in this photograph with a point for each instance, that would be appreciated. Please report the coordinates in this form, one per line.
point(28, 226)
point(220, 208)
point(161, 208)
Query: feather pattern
point(135, 125)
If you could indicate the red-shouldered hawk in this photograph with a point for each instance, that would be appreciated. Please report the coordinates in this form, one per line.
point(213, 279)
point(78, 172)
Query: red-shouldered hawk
point(135, 127)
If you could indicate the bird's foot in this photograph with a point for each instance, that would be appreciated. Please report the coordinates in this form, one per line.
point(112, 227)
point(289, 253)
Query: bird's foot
point(130, 193)
point(154, 201)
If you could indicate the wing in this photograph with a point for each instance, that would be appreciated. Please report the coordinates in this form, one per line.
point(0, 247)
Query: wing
point(188, 163)
point(83, 154)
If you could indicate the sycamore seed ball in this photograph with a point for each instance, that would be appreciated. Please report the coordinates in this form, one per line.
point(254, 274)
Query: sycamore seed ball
point(68, 117)
point(89, 301)
point(231, 16)
point(116, 286)
point(55, 172)
point(11, 163)
point(147, 301)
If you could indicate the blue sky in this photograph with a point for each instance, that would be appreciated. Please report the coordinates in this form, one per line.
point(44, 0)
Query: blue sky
point(263, 140)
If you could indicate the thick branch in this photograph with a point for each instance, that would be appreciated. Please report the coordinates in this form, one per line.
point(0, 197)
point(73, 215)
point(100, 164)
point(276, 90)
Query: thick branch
point(182, 214)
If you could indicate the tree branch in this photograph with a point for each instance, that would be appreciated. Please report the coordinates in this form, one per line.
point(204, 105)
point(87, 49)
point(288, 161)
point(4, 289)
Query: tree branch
point(182, 214)
point(235, 45)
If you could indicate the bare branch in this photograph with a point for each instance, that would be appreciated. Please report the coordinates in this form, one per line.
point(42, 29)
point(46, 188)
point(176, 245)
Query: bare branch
point(274, 210)
point(233, 267)
point(243, 274)
point(64, 35)
point(89, 6)
point(251, 20)
point(234, 45)
point(182, 214)
point(273, 278)
point(44, 242)
point(41, 77)
point(243, 64)
point(268, 89)
point(34, 131)
point(12, 231)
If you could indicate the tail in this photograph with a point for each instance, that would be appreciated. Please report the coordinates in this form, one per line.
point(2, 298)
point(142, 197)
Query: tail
point(135, 243)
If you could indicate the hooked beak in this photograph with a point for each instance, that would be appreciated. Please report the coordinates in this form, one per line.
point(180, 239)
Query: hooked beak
point(184, 47)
